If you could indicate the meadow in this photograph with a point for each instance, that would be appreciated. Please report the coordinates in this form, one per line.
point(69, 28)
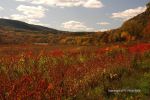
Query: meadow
point(44, 72)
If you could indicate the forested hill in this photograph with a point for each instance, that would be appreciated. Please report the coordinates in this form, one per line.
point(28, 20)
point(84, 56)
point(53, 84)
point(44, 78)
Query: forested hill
point(137, 27)
point(22, 26)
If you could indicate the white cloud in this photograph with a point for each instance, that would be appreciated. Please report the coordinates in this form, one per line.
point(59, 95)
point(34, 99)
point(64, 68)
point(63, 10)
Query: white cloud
point(103, 23)
point(20, 0)
point(24, 18)
point(76, 26)
point(93, 4)
point(19, 17)
point(102, 30)
point(67, 3)
point(29, 14)
point(1, 8)
point(127, 14)
point(32, 11)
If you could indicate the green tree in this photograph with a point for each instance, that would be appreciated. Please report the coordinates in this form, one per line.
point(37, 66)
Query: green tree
point(148, 5)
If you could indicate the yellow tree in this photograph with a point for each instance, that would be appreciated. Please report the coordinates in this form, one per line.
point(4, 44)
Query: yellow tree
point(125, 36)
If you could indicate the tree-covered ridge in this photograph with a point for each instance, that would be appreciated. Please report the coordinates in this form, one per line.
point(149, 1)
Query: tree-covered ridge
point(135, 26)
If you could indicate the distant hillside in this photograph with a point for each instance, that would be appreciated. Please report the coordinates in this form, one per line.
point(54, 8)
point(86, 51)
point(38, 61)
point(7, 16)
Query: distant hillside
point(22, 26)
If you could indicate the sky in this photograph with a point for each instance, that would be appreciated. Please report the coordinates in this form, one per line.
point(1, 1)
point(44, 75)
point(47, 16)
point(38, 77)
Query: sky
point(73, 15)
